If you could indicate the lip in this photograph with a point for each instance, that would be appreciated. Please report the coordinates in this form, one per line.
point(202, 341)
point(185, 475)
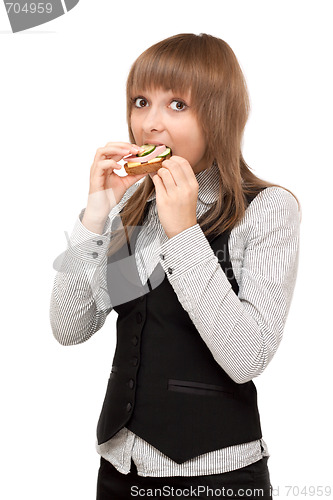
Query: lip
point(156, 143)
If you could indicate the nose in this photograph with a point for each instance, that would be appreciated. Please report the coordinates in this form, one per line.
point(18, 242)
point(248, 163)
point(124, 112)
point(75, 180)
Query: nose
point(153, 121)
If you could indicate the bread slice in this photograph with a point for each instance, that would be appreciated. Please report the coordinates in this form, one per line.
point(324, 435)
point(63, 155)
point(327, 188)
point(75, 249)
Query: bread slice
point(147, 167)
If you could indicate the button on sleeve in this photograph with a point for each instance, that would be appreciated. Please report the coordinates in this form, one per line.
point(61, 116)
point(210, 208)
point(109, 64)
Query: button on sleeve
point(185, 251)
point(86, 245)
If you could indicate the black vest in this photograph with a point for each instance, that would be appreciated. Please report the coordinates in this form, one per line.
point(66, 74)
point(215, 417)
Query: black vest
point(165, 385)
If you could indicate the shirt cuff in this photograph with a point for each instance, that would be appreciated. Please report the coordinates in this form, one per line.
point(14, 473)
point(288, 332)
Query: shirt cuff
point(184, 251)
point(86, 245)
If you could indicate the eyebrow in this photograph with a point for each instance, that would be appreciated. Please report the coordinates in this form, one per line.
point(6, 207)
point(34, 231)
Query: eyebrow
point(175, 95)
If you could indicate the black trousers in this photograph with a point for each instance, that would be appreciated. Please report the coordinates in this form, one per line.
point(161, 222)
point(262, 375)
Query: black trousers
point(250, 482)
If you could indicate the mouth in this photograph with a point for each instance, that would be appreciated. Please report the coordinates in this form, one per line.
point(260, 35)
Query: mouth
point(155, 143)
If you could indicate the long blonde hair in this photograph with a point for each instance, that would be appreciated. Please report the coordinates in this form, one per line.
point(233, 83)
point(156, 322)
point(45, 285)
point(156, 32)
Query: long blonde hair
point(208, 67)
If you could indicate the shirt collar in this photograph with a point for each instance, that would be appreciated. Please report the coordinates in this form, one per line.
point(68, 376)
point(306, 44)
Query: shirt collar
point(208, 181)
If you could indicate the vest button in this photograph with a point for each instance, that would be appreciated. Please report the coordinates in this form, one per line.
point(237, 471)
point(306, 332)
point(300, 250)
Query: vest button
point(170, 270)
point(131, 383)
point(128, 406)
point(134, 361)
point(135, 340)
point(138, 317)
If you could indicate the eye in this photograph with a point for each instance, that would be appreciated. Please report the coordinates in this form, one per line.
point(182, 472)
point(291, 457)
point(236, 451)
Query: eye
point(178, 105)
point(140, 102)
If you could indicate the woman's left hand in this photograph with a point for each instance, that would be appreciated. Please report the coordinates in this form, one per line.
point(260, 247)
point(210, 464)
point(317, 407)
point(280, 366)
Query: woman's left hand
point(176, 190)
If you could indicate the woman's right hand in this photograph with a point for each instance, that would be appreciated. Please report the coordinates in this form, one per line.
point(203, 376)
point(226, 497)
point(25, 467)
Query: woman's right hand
point(106, 187)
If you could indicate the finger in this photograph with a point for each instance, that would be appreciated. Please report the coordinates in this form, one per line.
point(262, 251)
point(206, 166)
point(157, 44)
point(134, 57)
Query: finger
point(100, 167)
point(122, 145)
point(179, 174)
point(159, 186)
point(115, 151)
point(108, 173)
point(109, 164)
point(184, 164)
point(167, 178)
point(133, 148)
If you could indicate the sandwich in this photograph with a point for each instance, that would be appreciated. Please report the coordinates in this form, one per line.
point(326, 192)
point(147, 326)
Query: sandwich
point(149, 160)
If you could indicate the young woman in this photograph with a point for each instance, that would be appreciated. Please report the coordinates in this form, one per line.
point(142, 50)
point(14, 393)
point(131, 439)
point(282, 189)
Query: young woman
point(199, 261)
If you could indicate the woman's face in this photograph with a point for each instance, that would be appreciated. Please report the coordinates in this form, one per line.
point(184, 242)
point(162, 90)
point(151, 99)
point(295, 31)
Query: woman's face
point(163, 117)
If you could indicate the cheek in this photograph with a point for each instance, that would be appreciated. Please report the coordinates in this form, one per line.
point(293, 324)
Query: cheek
point(135, 124)
point(197, 144)
point(190, 141)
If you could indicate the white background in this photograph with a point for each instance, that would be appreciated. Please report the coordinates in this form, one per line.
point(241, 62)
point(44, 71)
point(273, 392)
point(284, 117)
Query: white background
point(63, 96)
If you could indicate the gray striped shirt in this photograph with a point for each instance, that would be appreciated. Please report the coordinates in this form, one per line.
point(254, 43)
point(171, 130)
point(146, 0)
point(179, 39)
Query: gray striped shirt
point(242, 331)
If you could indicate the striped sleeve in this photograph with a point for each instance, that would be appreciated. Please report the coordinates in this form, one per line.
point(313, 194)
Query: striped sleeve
point(80, 301)
point(242, 331)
